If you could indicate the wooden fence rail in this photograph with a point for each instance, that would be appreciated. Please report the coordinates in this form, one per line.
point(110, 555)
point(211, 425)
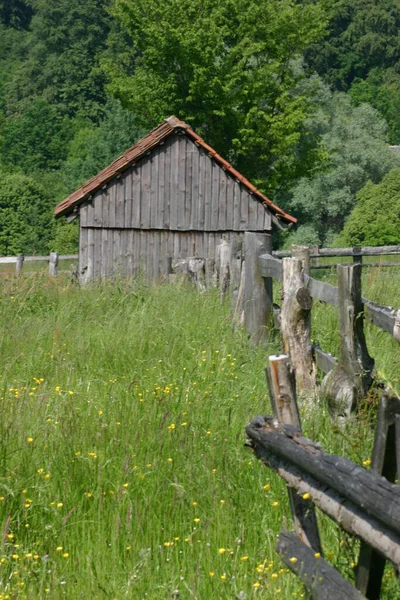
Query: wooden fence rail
point(52, 260)
point(363, 503)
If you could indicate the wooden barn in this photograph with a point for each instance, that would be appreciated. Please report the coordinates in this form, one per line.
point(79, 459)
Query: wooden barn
point(170, 196)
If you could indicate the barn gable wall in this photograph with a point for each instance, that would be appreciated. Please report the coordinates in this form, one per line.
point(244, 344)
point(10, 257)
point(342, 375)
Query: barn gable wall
point(180, 188)
point(177, 202)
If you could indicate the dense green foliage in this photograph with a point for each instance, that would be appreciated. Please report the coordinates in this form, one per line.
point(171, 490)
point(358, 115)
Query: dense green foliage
point(354, 141)
point(81, 81)
point(376, 218)
point(225, 67)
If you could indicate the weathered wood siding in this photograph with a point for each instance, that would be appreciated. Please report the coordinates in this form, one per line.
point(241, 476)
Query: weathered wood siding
point(176, 202)
point(128, 252)
point(180, 188)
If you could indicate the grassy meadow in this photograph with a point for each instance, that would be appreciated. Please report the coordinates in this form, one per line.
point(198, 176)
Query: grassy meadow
point(123, 472)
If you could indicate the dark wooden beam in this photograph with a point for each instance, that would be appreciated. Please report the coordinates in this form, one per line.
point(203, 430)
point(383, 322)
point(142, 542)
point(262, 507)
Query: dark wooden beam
point(322, 581)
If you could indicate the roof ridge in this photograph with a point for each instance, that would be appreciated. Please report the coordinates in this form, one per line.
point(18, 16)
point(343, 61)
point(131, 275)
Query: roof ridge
point(143, 147)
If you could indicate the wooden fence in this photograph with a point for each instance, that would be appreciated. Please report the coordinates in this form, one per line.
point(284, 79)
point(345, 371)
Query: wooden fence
point(364, 503)
point(52, 260)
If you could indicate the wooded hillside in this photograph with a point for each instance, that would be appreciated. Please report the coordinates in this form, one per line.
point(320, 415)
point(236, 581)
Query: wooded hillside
point(302, 97)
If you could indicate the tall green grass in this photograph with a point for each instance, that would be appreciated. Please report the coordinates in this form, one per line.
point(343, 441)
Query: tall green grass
point(123, 471)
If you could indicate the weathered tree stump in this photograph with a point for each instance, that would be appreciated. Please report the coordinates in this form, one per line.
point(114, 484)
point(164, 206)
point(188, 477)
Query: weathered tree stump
point(296, 325)
point(346, 384)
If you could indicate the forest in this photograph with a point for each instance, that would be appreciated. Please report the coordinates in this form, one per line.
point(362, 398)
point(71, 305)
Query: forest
point(302, 96)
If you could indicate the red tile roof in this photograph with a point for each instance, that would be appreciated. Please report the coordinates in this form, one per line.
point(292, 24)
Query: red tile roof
point(142, 148)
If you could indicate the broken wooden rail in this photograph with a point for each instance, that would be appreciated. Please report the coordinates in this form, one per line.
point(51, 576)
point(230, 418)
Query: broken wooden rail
point(364, 503)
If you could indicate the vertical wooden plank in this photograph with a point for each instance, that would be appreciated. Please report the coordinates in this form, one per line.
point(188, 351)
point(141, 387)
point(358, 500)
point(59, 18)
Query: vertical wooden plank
point(104, 199)
point(194, 209)
point(216, 169)
point(207, 192)
point(189, 149)
point(124, 252)
point(153, 220)
point(156, 254)
point(202, 188)
point(257, 302)
point(119, 184)
point(167, 184)
point(267, 219)
point(104, 270)
point(161, 187)
point(136, 196)
point(252, 218)
point(198, 249)
point(90, 214)
point(83, 215)
point(136, 252)
point(111, 195)
point(244, 208)
point(129, 253)
point(176, 251)
point(182, 182)
point(145, 196)
point(236, 206)
point(97, 253)
point(90, 255)
point(98, 210)
point(128, 198)
point(223, 182)
point(83, 254)
point(116, 253)
point(230, 186)
point(174, 189)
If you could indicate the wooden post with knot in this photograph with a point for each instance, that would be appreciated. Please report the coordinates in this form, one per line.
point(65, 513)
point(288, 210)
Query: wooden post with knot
point(350, 380)
point(296, 324)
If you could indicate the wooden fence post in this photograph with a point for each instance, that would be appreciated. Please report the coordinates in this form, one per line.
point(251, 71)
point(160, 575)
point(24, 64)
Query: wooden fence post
point(357, 257)
point(282, 392)
point(371, 564)
point(53, 264)
point(296, 324)
point(257, 290)
point(344, 385)
point(302, 253)
point(19, 264)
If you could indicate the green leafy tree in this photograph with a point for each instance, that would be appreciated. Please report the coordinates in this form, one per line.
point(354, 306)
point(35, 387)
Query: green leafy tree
point(355, 140)
point(225, 67)
point(37, 139)
point(375, 220)
point(15, 13)
point(61, 58)
point(363, 35)
point(94, 147)
point(381, 89)
point(26, 219)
